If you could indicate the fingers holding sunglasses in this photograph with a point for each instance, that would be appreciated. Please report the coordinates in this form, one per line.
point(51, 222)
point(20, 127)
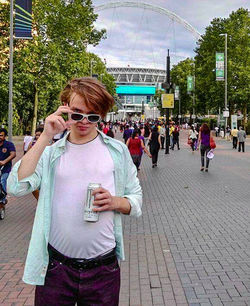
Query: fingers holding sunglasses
point(62, 110)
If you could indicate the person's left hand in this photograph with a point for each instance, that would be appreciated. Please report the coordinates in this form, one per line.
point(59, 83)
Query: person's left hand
point(2, 163)
point(104, 200)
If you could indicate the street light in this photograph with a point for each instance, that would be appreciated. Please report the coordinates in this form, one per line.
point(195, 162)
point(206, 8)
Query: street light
point(225, 34)
point(194, 116)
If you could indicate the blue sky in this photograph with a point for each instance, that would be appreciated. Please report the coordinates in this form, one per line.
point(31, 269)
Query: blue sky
point(140, 38)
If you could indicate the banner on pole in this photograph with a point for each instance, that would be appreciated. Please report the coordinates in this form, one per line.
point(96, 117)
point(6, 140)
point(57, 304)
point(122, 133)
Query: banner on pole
point(176, 92)
point(190, 83)
point(23, 19)
point(219, 66)
point(167, 100)
point(233, 122)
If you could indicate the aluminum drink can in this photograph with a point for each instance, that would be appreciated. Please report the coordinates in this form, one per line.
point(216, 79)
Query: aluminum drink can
point(89, 214)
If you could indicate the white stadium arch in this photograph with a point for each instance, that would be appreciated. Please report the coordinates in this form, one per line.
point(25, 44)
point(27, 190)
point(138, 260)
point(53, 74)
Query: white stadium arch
point(157, 9)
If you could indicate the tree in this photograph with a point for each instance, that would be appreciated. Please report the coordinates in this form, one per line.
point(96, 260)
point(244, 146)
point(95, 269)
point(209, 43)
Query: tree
point(56, 54)
point(209, 92)
point(179, 74)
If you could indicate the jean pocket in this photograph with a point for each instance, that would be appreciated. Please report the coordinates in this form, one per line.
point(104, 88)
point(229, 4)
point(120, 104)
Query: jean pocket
point(113, 267)
point(53, 265)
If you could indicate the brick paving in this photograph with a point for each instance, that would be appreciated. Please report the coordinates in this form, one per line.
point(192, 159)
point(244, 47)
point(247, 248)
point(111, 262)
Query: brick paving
point(190, 247)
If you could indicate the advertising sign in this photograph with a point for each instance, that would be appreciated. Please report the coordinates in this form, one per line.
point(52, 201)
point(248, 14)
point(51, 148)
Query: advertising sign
point(23, 19)
point(167, 100)
point(176, 92)
point(233, 121)
point(190, 83)
point(219, 66)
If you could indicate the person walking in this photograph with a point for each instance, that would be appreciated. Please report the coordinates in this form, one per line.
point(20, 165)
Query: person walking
point(26, 141)
point(171, 129)
point(135, 146)
point(228, 130)
point(234, 134)
point(71, 260)
point(146, 132)
point(162, 133)
point(241, 139)
point(38, 133)
point(154, 144)
point(176, 135)
point(7, 154)
point(204, 141)
point(127, 133)
point(192, 135)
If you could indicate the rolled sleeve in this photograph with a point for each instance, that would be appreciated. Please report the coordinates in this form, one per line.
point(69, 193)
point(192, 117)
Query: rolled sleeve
point(27, 185)
point(133, 191)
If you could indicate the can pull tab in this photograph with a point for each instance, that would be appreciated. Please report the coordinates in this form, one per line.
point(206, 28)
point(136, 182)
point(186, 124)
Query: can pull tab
point(44, 270)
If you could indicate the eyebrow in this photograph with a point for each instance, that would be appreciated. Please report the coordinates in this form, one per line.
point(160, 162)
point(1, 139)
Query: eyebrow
point(77, 110)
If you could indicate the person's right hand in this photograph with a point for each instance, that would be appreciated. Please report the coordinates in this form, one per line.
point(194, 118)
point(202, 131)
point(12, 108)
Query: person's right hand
point(55, 124)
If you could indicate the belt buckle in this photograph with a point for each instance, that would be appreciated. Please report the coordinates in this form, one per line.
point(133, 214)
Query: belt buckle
point(79, 264)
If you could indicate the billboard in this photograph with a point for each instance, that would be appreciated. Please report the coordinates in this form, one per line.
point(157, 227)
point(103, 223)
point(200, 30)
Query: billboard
point(135, 90)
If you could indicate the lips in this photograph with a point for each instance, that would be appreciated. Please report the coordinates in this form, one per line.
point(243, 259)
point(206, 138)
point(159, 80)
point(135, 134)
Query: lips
point(82, 127)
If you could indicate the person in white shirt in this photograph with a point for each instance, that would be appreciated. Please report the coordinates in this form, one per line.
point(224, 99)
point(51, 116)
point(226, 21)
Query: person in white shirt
point(78, 258)
point(26, 141)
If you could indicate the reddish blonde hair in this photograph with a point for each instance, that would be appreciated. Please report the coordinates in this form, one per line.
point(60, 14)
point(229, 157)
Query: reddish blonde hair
point(93, 92)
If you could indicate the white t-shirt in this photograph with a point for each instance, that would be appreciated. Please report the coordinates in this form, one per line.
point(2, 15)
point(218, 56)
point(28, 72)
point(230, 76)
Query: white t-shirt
point(27, 139)
point(76, 168)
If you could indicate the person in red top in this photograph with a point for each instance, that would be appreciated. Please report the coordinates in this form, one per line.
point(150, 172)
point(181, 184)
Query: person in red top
point(105, 129)
point(135, 144)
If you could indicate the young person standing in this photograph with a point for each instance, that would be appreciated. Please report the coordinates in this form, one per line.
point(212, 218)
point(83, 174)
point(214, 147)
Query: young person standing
point(69, 259)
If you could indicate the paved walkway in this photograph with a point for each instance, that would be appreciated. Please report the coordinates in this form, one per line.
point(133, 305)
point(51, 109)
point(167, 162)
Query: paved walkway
point(190, 247)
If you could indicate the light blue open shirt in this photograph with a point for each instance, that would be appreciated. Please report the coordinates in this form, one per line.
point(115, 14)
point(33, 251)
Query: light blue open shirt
point(126, 185)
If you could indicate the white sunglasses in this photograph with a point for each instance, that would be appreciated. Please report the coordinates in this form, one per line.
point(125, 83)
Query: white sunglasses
point(92, 118)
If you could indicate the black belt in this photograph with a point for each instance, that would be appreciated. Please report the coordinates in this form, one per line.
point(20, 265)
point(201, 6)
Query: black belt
point(82, 263)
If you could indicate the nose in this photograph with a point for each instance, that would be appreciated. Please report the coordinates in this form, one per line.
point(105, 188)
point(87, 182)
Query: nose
point(85, 120)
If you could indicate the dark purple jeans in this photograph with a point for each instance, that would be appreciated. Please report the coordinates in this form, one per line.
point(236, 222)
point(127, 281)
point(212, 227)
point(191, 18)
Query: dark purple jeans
point(67, 286)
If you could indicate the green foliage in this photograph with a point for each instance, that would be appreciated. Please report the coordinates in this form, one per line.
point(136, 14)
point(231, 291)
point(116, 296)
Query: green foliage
point(210, 93)
point(179, 74)
point(56, 54)
point(157, 98)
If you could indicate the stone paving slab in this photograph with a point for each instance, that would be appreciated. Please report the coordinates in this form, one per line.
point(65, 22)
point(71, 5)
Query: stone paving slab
point(190, 247)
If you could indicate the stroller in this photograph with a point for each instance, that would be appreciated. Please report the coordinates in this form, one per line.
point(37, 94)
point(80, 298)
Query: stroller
point(2, 196)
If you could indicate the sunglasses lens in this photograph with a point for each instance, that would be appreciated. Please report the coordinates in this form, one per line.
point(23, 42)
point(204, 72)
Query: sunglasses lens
point(76, 117)
point(93, 118)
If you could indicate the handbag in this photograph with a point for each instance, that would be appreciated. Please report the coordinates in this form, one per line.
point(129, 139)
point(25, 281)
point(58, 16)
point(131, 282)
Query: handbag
point(189, 141)
point(212, 143)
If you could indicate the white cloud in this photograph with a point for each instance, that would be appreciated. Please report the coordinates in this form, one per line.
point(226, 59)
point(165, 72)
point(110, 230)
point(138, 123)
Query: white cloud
point(140, 38)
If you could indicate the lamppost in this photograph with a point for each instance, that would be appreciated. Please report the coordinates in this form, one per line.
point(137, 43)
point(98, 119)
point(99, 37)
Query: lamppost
point(10, 110)
point(194, 114)
point(225, 34)
point(142, 110)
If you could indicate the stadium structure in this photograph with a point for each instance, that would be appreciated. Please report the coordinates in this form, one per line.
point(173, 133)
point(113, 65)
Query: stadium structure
point(136, 88)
